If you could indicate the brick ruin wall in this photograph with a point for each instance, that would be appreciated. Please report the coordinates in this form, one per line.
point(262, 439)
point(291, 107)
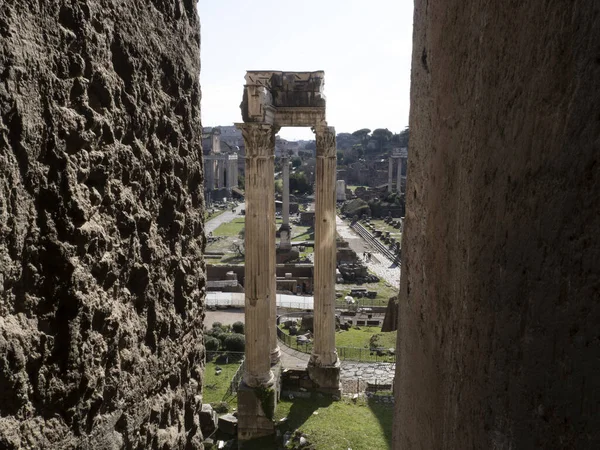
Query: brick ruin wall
point(101, 230)
point(498, 342)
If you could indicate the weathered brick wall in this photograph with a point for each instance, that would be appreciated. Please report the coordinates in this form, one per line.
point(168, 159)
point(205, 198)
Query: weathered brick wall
point(101, 231)
point(498, 342)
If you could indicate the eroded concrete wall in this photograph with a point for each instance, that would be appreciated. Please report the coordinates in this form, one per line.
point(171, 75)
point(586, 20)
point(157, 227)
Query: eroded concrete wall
point(101, 233)
point(498, 342)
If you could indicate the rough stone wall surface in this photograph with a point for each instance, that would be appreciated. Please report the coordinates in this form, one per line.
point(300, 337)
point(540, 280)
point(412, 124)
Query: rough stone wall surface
point(101, 230)
point(498, 342)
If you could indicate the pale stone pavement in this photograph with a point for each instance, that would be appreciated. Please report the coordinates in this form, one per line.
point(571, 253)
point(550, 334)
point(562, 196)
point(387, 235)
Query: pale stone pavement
point(379, 264)
point(352, 373)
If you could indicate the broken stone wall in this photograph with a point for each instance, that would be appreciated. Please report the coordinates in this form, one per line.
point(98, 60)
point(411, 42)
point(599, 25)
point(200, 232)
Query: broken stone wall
point(101, 231)
point(498, 344)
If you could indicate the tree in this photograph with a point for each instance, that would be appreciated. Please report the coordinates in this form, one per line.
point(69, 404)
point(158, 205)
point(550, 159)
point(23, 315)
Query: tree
point(311, 145)
point(340, 157)
point(382, 136)
point(360, 151)
point(296, 162)
point(346, 140)
point(401, 138)
point(362, 134)
point(299, 183)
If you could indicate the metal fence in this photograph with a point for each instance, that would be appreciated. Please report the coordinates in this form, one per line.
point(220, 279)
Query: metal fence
point(344, 353)
point(235, 381)
point(237, 300)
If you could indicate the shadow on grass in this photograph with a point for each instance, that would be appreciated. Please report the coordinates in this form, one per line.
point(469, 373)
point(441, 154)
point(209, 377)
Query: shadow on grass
point(385, 415)
point(302, 409)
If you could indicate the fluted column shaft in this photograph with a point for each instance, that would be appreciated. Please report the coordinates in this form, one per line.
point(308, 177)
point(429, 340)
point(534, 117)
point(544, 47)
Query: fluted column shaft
point(324, 351)
point(399, 177)
point(285, 211)
point(274, 352)
point(390, 173)
point(260, 248)
point(222, 175)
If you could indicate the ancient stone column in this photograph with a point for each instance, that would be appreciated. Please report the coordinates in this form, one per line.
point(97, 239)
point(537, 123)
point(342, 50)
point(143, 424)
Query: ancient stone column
point(259, 282)
point(222, 173)
point(399, 177)
point(324, 365)
point(233, 169)
point(260, 217)
point(390, 173)
point(275, 352)
point(285, 241)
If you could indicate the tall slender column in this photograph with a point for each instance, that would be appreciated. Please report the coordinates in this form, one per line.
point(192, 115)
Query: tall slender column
point(285, 241)
point(324, 364)
point(260, 245)
point(222, 174)
point(285, 212)
point(399, 176)
point(390, 173)
point(216, 174)
point(274, 346)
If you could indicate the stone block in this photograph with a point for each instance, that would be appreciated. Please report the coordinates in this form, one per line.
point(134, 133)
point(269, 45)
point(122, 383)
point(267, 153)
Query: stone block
point(208, 420)
point(255, 412)
point(326, 379)
point(228, 424)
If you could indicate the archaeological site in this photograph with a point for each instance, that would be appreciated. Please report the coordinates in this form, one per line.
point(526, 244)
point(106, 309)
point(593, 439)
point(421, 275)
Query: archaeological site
point(165, 284)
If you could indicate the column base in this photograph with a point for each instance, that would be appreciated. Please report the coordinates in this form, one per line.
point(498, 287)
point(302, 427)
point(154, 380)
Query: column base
point(326, 378)
point(275, 356)
point(256, 409)
point(285, 238)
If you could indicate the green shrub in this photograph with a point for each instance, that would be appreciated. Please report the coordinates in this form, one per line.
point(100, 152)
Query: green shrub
point(238, 327)
point(222, 336)
point(217, 325)
point(212, 344)
point(235, 342)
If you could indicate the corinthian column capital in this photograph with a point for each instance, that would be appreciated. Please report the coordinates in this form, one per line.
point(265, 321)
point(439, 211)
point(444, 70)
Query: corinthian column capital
point(326, 146)
point(259, 139)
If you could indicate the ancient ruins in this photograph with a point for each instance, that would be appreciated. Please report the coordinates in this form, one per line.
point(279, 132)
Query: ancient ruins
point(397, 158)
point(102, 233)
point(273, 100)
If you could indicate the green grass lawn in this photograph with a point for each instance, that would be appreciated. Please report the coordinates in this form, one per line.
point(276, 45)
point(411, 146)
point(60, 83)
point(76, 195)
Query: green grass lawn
point(328, 425)
point(385, 340)
point(333, 425)
point(302, 233)
point(383, 288)
point(339, 425)
point(232, 228)
point(356, 338)
point(215, 386)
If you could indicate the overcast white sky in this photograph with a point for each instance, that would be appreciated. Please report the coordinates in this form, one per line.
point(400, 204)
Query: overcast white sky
point(364, 47)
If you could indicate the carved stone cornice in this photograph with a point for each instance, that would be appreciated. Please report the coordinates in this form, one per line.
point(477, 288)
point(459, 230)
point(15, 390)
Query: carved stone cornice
point(326, 146)
point(259, 139)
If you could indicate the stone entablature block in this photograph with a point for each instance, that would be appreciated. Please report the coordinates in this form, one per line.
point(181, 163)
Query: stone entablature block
point(290, 99)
